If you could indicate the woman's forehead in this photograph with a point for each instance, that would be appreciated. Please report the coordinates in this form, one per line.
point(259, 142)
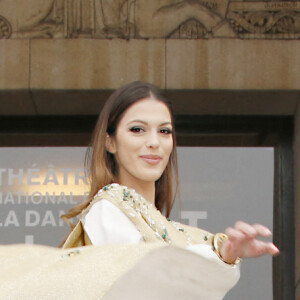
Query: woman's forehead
point(148, 109)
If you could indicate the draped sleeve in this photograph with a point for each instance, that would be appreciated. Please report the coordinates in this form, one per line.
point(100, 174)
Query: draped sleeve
point(107, 224)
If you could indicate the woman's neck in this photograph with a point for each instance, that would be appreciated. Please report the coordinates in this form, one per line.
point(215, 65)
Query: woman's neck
point(144, 188)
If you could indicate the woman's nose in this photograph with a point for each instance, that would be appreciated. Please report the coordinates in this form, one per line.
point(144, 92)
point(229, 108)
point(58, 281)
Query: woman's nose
point(153, 141)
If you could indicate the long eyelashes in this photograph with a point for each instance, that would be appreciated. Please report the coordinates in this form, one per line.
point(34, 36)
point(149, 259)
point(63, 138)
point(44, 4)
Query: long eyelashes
point(137, 129)
point(166, 131)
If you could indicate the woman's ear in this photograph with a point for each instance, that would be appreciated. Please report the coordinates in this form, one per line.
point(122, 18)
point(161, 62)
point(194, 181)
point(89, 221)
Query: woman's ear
point(110, 144)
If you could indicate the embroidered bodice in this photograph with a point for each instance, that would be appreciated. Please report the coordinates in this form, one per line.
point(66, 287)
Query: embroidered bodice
point(149, 221)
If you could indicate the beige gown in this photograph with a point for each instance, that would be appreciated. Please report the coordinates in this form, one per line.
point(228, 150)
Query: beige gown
point(174, 261)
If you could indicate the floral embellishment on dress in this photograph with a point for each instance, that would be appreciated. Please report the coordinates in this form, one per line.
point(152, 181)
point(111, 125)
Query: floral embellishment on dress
point(71, 253)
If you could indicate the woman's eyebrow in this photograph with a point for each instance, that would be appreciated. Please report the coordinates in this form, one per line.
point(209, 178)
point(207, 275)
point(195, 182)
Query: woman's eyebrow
point(143, 122)
point(137, 121)
point(166, 123)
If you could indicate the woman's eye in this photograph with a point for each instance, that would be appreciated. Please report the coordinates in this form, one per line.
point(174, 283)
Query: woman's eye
point(166, 131)
point(136, 129)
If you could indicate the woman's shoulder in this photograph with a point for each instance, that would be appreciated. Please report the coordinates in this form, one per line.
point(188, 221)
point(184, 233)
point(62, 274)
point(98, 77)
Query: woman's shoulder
point(115, 192)
point(119, 195)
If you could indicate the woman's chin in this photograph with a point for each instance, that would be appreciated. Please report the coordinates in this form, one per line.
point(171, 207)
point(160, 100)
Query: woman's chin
point(152, 177)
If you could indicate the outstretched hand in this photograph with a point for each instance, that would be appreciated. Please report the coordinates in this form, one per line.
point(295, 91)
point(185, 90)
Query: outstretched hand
point(242, 242)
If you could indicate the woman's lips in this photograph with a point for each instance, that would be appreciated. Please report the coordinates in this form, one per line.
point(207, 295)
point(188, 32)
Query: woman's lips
point(151, 159)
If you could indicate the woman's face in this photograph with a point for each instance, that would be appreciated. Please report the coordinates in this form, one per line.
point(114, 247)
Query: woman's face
point(143, 142)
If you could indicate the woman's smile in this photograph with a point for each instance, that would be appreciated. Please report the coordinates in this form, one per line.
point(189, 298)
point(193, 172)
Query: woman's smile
point(151, 159)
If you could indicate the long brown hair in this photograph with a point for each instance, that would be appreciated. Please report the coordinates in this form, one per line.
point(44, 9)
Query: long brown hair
point(101, 164)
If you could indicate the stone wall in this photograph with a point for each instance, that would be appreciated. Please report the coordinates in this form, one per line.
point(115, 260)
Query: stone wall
point(31, 66)
point(171, 64)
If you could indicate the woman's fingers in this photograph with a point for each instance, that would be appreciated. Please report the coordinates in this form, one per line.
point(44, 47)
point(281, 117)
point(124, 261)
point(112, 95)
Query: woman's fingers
point(262, 230)
point(265, 248)
point(241, 230)
point(272, 249)
point(251, 231)
point(234, 234)
point(246, 228)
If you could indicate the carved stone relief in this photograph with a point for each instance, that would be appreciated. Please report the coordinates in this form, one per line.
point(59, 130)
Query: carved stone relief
point(174, 19)
point(5, 28)
point(268, 20)
point(191, 29)
point(33, 18)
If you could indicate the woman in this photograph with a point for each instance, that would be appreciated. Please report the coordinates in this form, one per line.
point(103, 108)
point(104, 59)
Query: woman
point(133, 158)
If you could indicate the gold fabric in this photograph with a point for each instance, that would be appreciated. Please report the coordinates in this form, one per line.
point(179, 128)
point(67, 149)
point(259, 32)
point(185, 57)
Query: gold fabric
point(78, 237)
point(32, 272)
point(148, 220)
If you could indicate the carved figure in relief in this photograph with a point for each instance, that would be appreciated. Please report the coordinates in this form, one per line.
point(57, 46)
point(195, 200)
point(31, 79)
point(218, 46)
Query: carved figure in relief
point(146, 19)
point(69, 18)
point(161, 18)
point(118, 18)
point(30, 18)
point(5, 28)
point(112, 18)
point(100, 18)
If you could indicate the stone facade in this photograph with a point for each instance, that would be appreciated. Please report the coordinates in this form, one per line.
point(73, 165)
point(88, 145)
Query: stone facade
point(75, 64)
point(174, 19)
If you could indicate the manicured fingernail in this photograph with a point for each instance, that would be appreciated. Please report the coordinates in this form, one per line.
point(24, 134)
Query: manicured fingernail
point(276, 250)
